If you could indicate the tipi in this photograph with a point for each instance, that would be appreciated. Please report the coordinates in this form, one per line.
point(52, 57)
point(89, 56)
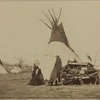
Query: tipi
point(16, 70)
point(2, 70)
point(58, 37)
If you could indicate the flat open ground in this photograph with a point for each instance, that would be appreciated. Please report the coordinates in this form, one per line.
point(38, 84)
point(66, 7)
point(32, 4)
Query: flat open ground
point(15, 86)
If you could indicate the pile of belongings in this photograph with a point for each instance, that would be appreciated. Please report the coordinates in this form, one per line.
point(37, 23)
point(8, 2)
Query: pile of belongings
point(79, 73)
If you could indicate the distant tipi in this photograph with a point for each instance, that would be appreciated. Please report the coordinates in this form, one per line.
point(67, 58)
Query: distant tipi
point(2, 70)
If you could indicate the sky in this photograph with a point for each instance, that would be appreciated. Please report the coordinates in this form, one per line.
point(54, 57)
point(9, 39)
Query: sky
point(23, 35)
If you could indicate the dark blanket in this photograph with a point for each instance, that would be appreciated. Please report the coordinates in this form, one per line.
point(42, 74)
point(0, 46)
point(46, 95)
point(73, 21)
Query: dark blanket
point(37, 77)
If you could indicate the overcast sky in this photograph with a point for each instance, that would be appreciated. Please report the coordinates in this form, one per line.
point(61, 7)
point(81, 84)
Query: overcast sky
point(23, 35)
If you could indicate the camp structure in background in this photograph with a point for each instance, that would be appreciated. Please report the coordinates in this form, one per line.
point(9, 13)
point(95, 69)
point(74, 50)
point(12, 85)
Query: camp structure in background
point(16, 70)
point(2, 70)
point(58, 43)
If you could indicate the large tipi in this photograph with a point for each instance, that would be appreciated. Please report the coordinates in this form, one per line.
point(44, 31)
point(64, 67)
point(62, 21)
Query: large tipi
point(58, 44)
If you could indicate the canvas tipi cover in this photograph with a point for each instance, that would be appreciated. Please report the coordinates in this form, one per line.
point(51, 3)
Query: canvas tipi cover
point(57, 31)
point(58, 42)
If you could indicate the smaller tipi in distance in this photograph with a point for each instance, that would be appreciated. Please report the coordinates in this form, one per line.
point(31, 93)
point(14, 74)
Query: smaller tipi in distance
point(2, 69)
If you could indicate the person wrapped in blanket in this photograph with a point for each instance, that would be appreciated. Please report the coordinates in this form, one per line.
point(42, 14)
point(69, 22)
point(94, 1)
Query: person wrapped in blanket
point(55, 74)
point(37, 76)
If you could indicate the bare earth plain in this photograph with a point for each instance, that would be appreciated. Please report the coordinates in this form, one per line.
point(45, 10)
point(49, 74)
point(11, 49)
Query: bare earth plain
point(14, 86)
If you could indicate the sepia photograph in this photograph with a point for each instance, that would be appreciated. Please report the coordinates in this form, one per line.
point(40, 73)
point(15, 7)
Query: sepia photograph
point(50, 49)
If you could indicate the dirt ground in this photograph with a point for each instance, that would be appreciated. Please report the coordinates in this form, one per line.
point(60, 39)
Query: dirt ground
point(14, 86)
